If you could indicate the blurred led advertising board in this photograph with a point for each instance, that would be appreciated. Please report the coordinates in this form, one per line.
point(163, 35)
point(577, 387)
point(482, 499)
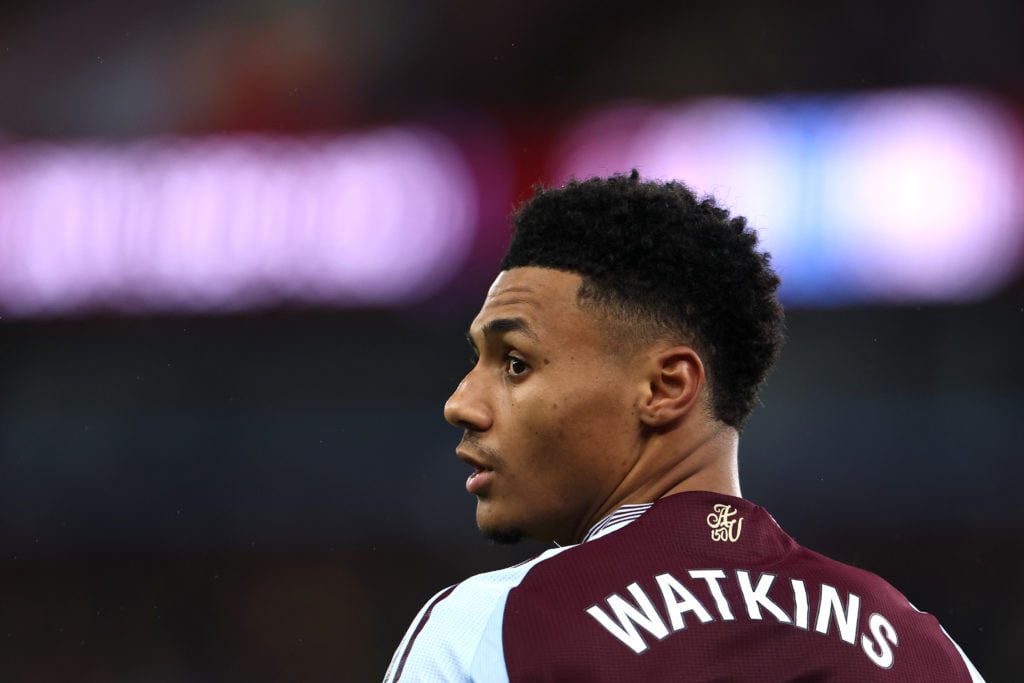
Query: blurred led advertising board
point(890, 198)
point(232, 223)
point(905, 196)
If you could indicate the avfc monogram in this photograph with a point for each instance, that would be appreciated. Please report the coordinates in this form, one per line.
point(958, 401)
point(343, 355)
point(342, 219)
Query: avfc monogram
point(723, 527)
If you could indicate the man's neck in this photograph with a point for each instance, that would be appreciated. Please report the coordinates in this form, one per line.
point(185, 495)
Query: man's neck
point(669, 464)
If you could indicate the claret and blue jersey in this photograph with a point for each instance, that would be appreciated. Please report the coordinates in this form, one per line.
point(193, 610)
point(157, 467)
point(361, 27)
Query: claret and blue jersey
point(698, 586)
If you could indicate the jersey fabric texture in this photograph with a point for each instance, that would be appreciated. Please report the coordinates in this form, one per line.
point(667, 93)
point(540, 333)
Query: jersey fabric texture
point(698, 586)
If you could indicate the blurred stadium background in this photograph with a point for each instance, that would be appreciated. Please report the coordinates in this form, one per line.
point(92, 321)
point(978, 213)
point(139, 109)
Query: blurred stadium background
point(240, 244)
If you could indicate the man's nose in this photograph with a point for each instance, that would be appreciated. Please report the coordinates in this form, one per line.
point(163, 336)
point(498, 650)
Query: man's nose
point(466, 406)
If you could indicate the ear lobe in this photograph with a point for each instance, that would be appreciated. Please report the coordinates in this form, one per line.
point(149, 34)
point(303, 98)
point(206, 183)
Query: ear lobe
point(676, 381)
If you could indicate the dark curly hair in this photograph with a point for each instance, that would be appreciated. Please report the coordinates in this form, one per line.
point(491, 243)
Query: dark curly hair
point(670, 265)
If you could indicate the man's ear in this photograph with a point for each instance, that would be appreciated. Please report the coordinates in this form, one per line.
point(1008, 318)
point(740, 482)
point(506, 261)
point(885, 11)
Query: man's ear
point(676, 378)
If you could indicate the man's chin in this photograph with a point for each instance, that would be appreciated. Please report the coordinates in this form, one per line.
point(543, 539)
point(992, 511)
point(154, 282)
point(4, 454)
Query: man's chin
point(502, 536)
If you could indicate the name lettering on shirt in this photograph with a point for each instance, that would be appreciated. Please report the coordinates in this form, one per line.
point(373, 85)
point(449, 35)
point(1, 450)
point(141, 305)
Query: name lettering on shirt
point(629, 619)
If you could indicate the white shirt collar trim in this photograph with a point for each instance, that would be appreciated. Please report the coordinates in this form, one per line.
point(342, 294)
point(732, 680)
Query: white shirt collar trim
point(622, 517)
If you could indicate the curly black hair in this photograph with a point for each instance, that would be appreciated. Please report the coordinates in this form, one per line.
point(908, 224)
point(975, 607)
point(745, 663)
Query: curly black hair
point(668, 263)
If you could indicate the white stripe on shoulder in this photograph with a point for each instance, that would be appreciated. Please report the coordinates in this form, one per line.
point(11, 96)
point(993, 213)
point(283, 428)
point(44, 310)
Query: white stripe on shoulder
point(398, 659)
point(975, 675)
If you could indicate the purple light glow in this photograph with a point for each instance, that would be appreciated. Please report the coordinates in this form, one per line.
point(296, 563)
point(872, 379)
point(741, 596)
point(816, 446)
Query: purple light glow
point(231, 223)
point(925, 196)
point(737, 150)
point(910, 196)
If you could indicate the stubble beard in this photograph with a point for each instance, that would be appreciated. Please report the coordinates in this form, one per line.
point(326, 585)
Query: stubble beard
point(509, 536)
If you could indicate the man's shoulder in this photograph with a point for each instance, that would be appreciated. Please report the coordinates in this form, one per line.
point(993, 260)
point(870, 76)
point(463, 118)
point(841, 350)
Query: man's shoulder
point(501, 579)
point(458, 630)
point(485, 591)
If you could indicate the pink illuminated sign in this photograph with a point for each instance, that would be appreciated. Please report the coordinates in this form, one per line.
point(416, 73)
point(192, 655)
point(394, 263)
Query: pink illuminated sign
point(231, 223)
point(925, 195)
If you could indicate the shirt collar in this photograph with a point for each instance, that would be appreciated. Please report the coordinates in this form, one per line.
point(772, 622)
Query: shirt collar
point(623, 516)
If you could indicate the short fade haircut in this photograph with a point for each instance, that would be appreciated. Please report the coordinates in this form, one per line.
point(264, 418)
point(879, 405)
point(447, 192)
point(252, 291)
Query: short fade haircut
point(670, 265)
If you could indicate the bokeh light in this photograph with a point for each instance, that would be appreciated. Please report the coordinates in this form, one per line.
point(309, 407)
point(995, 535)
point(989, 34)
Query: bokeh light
point(231, 223)
point(892, 197)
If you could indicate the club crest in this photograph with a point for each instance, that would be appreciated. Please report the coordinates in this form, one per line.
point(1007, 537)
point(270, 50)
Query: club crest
point(723, 525)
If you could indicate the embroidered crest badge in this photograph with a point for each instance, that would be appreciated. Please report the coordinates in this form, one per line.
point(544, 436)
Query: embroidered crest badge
point(723, 525)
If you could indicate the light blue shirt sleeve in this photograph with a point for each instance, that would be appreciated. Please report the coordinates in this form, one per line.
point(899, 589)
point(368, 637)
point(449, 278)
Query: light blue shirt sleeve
point(457, 636)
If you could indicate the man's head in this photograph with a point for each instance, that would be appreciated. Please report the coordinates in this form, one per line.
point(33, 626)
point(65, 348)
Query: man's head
point(669, 265)
point(624, 309)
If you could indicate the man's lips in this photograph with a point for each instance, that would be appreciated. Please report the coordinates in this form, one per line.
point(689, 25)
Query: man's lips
point(478, 480)
point(481, 475)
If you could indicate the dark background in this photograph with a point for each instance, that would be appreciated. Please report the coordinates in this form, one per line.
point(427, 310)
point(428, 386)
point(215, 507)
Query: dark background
point(271, 496)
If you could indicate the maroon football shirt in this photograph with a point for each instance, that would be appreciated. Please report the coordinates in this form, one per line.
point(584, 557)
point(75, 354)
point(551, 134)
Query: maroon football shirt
point(699, 587)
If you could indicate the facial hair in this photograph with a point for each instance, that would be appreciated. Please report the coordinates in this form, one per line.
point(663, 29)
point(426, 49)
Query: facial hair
point(509, 536)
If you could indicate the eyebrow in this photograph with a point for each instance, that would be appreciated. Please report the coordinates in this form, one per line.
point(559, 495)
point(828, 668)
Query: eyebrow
point(499, 326)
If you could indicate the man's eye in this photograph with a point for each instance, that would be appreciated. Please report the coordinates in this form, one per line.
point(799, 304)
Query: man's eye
point(516, 367)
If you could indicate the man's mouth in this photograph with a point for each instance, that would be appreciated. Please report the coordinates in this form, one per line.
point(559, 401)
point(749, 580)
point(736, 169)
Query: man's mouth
point(480, 478)
point(482, 474)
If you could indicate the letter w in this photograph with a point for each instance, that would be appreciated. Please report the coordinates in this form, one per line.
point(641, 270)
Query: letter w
point(628, 617)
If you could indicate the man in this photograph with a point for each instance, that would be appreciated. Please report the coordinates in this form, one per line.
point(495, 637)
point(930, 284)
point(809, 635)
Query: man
point(618, 353)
